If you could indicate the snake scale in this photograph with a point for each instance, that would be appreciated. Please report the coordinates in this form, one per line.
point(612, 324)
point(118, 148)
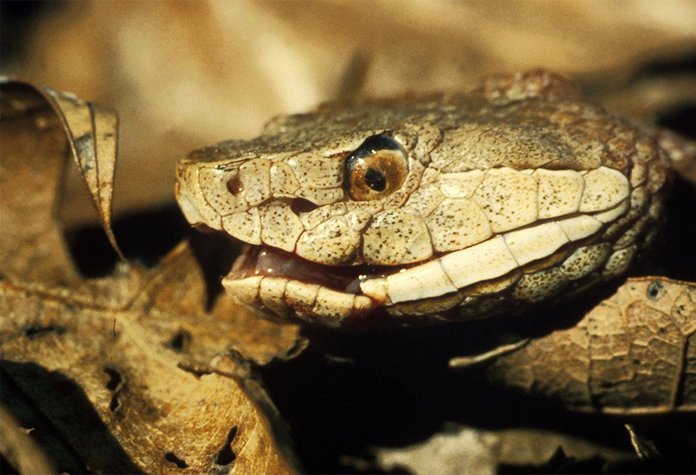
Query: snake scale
point(426, 208)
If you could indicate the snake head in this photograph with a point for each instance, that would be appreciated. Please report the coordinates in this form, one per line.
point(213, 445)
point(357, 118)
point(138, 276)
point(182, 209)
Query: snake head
point(437, 207)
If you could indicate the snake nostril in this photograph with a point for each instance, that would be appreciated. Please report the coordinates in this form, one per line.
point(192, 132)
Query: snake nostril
point(301, 205)
point(235, 185)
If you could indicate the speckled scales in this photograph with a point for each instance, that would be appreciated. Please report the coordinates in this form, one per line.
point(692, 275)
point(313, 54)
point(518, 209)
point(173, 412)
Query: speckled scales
point(516, 191)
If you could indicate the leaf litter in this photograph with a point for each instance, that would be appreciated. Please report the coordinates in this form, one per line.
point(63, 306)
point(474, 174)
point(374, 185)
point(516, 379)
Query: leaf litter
point(141, 371)
point(106, 364)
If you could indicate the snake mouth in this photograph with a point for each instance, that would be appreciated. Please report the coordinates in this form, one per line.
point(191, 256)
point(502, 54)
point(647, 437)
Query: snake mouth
point(267, 261)
point(286, 284)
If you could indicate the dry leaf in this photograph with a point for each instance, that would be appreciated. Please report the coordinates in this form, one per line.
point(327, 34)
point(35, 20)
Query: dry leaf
point(33, 151)
point(101, 360)
point(157, 412)
point(92, 134)
point(479, 452)
point(634, 353)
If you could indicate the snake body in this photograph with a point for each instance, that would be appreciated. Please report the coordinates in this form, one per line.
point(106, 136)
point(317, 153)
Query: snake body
point(443, 207)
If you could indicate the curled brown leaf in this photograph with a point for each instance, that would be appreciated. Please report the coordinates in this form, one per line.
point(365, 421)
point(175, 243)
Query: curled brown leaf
point(107, 362)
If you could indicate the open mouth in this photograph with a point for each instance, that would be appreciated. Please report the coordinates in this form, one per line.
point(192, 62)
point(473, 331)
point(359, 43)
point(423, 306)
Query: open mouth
point(286, 284)
point(271, 262)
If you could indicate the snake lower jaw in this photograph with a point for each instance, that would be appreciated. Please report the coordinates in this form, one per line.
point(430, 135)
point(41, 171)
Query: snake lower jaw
point(287, 285)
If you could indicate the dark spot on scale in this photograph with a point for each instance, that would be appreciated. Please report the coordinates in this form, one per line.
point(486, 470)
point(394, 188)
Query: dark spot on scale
point(655, 290)
point(301, 205)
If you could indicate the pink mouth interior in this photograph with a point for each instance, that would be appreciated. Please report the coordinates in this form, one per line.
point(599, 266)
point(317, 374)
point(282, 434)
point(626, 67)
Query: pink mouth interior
point(267, 261)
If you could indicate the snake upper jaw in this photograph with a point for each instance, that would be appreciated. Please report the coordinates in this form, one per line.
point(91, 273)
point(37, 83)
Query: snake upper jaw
point(191, 213)
point(517, 192)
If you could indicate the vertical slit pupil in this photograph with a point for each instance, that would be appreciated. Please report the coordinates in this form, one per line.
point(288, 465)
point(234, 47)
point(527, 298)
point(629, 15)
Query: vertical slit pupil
point(375, 179)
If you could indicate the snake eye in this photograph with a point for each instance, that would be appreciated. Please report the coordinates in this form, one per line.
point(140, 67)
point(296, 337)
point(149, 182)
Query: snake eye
point(377, 168)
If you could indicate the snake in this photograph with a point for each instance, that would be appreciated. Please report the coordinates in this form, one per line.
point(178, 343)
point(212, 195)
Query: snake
point(426, 208)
